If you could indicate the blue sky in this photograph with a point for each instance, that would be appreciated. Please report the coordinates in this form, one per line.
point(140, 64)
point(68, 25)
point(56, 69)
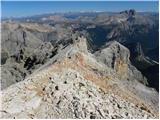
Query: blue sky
point(28, 8)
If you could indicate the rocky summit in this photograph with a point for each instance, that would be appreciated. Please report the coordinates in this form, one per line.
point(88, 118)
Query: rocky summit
point(55, 67)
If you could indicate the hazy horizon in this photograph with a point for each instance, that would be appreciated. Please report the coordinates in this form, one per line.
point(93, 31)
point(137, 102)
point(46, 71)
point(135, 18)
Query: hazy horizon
point(31, 8)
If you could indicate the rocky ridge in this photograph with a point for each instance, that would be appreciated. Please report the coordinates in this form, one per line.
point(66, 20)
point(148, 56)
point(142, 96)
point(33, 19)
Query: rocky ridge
point(82, 85)
point(28, 43)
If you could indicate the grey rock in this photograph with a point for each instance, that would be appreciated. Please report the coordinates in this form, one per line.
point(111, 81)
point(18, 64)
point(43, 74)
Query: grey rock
point(116, 56)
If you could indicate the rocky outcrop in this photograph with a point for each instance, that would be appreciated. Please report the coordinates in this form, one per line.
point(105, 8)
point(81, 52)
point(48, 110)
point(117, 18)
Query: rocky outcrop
point(116, 56)
point(130, 12)
point(23, 50)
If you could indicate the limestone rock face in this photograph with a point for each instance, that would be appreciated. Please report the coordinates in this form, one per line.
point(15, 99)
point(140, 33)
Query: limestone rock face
point(77, 84)
point(116, 56)
point(112, 54)
point(22, 51)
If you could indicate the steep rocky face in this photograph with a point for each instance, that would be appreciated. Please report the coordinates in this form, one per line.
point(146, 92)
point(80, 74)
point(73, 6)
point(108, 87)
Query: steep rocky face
point(116, 56)
point(147, 66)
point(74, 82)
point(26, 47)
point(136, 50)
point(139, 51)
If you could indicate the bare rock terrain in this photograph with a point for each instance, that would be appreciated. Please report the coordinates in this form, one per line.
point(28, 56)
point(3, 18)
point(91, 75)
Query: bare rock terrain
point(73, 84)
point(80, 65)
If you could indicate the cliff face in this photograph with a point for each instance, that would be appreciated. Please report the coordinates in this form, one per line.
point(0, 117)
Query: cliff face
point(26, 47)
point(78, 84)
point(116, 56)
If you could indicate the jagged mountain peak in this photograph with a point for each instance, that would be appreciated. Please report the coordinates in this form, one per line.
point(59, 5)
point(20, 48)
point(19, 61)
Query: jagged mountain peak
point(130, 12)
point(139, 51)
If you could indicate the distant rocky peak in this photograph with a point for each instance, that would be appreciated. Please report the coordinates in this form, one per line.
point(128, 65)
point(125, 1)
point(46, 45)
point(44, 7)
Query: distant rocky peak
point(130, 12)
point(139, 51)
